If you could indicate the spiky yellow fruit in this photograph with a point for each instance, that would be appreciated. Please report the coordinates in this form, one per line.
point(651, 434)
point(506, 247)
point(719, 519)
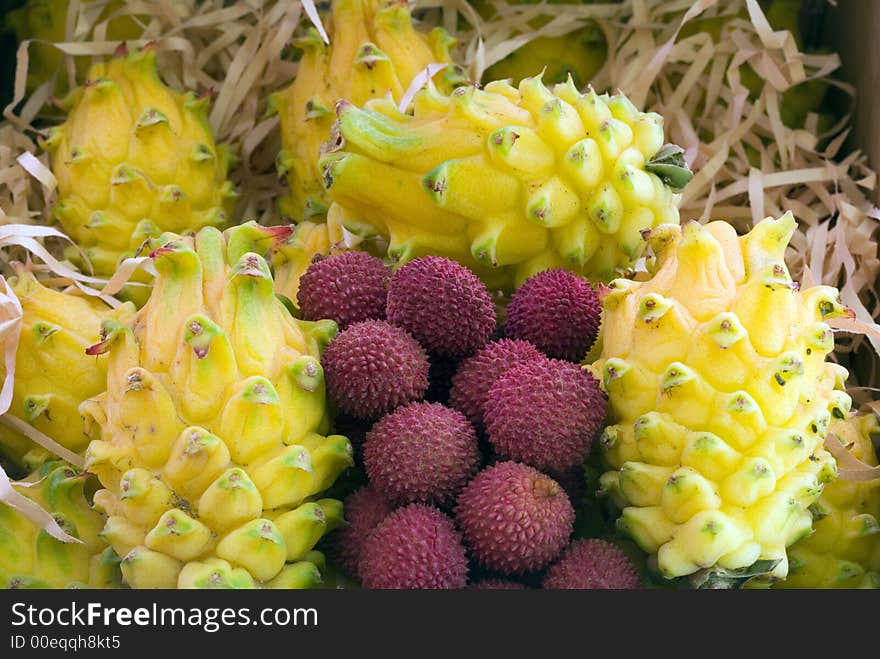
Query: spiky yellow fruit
point(31, 558)
point(508, 181)
point(53, 374)
point(374, 50)
point(209, 440)
point(720, 399)
point(844, 550)
point(134, 159)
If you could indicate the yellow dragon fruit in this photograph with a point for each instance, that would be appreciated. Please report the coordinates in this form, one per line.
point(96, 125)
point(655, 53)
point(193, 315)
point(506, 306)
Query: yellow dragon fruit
point(53, 373)
point(375, 50)
point(31, 558)
point(844, 550)
point(719, 400)
point(134, 159)
point(210, 439)
point(509, 181)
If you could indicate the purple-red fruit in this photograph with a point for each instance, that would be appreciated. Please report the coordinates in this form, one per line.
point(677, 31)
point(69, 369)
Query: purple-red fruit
point(545, 413)
point(443, 305)
point(592, 564)
point(557, 311)
point(514, 518)
point(372, 367)
point(348, 287)
point(421, 452)
point(471, 383)
point(364, 510)
point(415, 547)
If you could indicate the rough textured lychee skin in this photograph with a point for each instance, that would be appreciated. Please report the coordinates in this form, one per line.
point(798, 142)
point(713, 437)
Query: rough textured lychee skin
point(475, 376)
point(415, 547)
point(348, 287)
point(372, 367)
point(592, 564)
point(514, 518)
point(497, 584)
point(443, 305)
point(557, 311)
point(364, 509)
point(421, 452)
point(545, 413)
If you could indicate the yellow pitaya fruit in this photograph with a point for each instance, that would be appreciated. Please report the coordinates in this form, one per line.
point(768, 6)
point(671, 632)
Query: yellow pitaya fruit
point(53, 374)
point(844, 550)
point(509, 181)
point(375, 50)
point(209, 440)
point(719, 401)
point(31, 558)
point(134, 159)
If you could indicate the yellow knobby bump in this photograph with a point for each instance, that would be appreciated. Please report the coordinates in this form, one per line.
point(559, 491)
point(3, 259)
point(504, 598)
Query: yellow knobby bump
point(145, 568)
point(213, 573)
point(230, 500)
point(179, 535)
point(257, 546)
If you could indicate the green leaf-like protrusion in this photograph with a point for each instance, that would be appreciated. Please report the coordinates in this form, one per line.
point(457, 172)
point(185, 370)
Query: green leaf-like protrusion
point(669, 165)
point(719, 578)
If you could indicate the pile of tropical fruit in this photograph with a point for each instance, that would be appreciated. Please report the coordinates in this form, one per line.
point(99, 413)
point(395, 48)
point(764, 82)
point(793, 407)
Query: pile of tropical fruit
point(477, 342)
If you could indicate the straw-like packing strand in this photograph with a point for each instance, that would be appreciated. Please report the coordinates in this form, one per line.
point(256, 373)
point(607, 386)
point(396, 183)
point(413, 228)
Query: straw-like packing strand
point(21, 193)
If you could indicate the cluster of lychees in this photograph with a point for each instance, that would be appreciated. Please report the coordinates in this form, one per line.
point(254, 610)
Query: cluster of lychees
point(466, 428)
